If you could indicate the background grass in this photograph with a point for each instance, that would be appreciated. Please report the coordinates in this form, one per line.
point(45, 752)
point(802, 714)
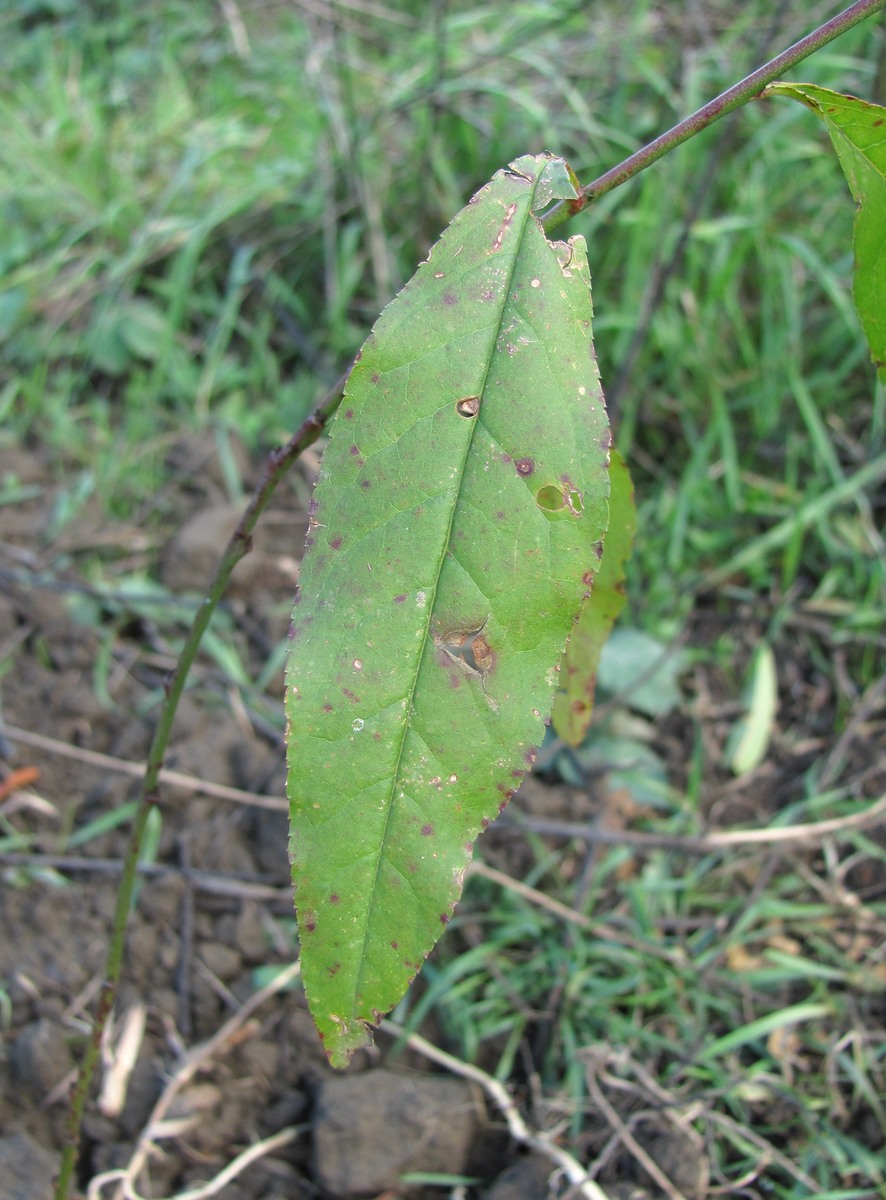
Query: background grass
point(204, 207)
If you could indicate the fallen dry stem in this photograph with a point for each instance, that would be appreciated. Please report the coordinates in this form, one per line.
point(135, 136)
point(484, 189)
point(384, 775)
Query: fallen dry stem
point(211, 1188)
point(196, 1060)
point(766, 1149)
point(649, 1088)
point(626, 1137)
point(517, 1127)
point(134, 770)
point(779, 835)
point(714, 840)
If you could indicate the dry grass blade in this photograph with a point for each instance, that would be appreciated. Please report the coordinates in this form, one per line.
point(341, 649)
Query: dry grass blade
point(196, 1060)
point(120, 1059)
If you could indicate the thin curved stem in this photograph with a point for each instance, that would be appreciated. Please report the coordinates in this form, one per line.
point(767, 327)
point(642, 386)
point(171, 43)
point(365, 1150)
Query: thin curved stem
point(279, 462)
point(735, 97)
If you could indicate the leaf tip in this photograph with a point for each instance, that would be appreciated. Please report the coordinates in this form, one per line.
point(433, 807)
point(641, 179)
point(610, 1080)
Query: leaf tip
point(344, 1039)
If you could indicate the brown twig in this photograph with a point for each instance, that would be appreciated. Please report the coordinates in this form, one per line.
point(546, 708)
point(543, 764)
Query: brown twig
point(869, 703)
point(134, 770)
point(712, 841)
point(201, 881)
point(784, 835)
point(626, 1137)
point(733, 98)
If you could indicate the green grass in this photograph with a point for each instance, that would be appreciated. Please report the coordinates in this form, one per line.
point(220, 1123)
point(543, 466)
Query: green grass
point(197, 238)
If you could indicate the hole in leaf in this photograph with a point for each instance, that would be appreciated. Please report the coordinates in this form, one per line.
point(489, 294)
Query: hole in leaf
point(573, 502)
point(557, 502)
point(470, 648)
point(468, 406)
point(469, 652)
point(549, 499)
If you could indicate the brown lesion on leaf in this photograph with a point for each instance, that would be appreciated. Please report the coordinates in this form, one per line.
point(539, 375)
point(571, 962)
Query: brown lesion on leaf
point(513, 172)
point(468, 406)
point(508, 218)
point(484, 655)
point(465, 649)
point(564, 252)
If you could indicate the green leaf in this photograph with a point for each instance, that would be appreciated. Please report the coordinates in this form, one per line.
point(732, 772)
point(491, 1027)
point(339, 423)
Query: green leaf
point(641, 672)
point(858, 133)
point(454, 529)
point(574, 702)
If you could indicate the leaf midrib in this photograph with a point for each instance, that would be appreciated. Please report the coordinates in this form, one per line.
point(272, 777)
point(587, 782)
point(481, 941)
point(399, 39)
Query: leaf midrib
point(407, 725)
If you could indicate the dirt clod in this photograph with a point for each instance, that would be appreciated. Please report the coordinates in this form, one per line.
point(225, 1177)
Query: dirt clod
point(26, 1169)
point(526, 1179)
point(401, 1122)
point(40, 1058)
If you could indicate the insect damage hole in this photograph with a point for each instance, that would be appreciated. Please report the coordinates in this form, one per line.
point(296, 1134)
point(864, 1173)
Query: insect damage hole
point(468, 651)
point(557, 502)
point(468, 406)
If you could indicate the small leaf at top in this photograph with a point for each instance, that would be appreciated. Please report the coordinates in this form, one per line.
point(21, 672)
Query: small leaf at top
point(438, 589)
point(858, 133)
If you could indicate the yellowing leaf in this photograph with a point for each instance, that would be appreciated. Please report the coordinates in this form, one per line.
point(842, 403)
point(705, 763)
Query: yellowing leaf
point(574, 702)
